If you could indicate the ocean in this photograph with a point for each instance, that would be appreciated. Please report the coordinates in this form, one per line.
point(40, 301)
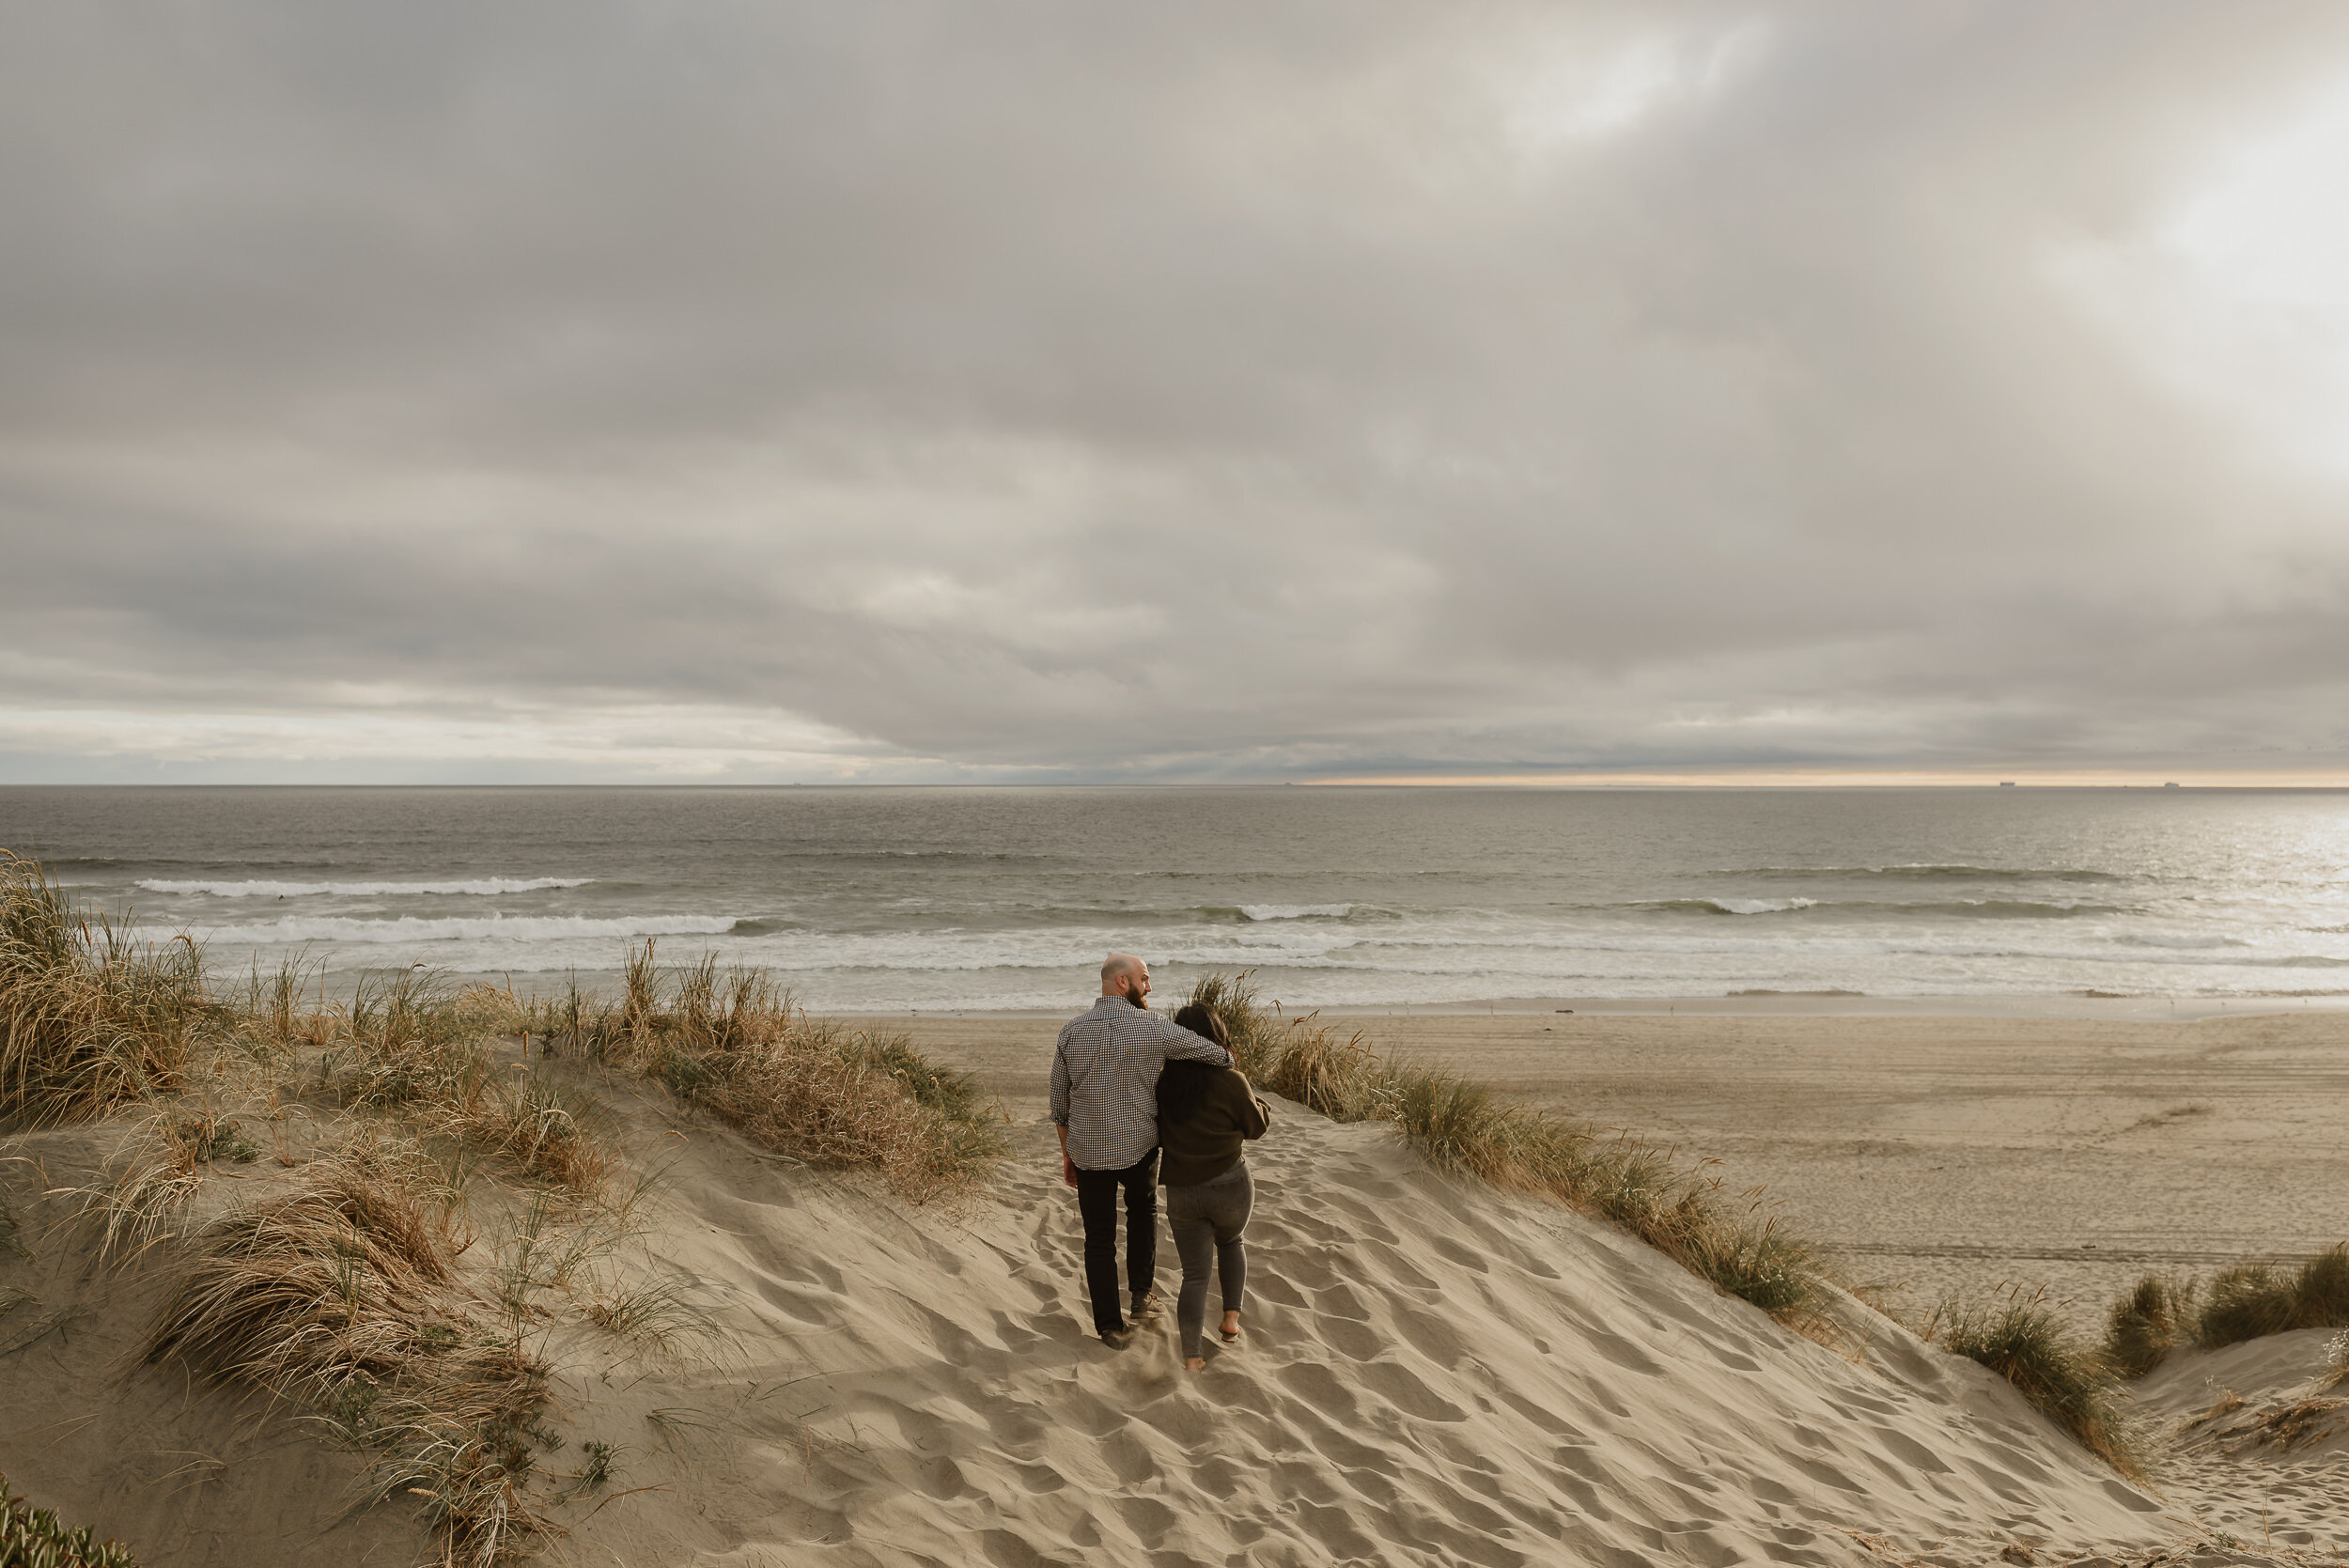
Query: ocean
point(891, 899)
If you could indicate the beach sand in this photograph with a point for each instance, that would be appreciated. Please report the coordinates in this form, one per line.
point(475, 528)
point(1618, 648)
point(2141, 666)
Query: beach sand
point(1431, 1373)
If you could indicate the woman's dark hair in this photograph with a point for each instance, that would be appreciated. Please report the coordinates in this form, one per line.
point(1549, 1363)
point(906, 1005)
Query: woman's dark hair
point(1201, 1019)
point(1183, 1085)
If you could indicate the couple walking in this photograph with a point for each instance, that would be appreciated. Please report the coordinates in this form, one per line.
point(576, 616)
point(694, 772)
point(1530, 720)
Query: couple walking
point(1126, 1087)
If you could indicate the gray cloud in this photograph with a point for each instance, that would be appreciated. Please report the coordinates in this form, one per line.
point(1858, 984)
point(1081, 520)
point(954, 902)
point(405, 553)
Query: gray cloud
point(758, 392)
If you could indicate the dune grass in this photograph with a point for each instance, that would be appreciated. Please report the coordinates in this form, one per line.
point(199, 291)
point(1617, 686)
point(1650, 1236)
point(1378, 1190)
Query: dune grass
point(91, 1019)
point(278, 1011)
point(2247, 1301)
point(1731, 1240)
point(409, 1045)
point(2251, 1301)
point(331, 1282)
point(343, 1295)
point(2144, 1326)
point(37, 1538)
point(2023, 1338)
point(733, 1045)
point(405, 1041)
point(155, 1174)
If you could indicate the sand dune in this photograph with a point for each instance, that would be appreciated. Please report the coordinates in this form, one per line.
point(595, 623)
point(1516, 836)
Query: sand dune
point(2261, 1442)
point(1431, 1373)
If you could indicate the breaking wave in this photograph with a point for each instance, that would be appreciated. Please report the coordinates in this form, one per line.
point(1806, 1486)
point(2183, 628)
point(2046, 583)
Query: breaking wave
point(1935, 871)
point(1963, 909)
point(485, 887)
point(519, 929)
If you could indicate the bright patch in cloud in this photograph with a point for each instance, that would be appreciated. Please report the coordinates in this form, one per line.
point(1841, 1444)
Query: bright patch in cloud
point(1578, 91)
point(2238, 293)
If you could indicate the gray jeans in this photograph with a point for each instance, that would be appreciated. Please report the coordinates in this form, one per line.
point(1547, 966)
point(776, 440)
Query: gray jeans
point(1209, 1217)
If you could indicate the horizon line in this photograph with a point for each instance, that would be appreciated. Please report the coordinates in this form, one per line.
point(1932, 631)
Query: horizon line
point(1805, 779)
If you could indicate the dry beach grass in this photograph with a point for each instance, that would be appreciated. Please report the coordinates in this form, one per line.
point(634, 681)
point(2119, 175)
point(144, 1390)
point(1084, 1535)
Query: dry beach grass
point(733, 1043)
point(90, 1018)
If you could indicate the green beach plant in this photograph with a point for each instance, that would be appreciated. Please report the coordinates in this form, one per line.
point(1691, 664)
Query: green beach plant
point(36, 1538)
point(600, 1461)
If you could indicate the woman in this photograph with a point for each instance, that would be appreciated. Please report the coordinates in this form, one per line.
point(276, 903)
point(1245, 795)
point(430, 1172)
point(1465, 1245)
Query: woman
point(1205, 1114)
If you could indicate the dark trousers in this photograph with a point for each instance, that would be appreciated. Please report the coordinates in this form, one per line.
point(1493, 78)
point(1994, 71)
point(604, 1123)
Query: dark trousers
point(1207, 1220)
point(1096, 1199)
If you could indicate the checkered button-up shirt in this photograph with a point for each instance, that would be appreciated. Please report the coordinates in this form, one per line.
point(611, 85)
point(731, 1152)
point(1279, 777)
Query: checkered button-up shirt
point(1105, 1080)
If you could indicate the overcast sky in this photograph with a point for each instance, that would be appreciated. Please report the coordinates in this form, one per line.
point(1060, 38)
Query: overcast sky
point(765, 392)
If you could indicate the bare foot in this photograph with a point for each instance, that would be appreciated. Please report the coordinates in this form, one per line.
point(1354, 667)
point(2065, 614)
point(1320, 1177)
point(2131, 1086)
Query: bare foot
point(1196, 1364)
point(1231, 1326)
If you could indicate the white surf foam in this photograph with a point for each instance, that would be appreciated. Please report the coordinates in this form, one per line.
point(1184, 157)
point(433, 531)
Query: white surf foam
point(484, 887)
point(1297, 911)
point(517, 928)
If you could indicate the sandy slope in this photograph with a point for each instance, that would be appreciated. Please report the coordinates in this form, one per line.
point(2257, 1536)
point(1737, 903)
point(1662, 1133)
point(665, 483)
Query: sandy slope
point(1431, 1374)
point(2260, 1443)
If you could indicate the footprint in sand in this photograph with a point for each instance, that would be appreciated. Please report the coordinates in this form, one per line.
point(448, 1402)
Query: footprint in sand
point(1401, 1388)
point(1318, 1387)
point(1128, 1458)
point(817, 1309)
point(1433, 1337)
point(1339, 1300)
point(1039, 1478)
point(1148, 1518)
point(1355, 1340)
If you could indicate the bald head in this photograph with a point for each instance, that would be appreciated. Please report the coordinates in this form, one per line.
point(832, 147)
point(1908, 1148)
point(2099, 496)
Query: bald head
point(1124, 975)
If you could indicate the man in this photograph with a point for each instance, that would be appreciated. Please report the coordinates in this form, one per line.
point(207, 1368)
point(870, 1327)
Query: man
point(1105, 1101)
